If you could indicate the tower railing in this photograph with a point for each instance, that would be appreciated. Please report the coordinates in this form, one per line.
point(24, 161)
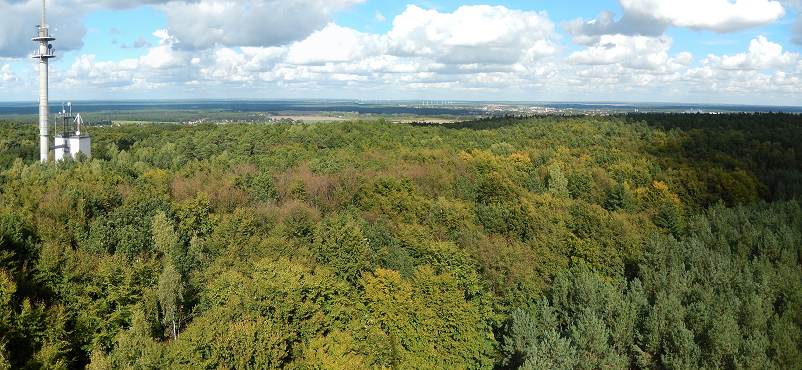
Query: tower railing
point(49, 53)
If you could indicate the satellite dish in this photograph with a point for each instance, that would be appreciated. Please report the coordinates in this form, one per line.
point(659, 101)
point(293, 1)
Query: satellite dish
point(49, 46)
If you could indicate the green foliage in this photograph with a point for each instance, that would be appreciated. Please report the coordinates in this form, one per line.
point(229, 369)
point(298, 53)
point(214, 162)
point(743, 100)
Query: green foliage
point(165, 239)
point(7, 290)
point(514, 218)
point(425, 322)
point(171, 297)
point(558, 183)
point(341, 244)
point(708, 300)
point(620, 198)
point(580, 186)
point(263, 187)
point(640, 241)
point(334, 351)
point(134, 347)
point(193, 216)
point(392, 197)
point(262, 318)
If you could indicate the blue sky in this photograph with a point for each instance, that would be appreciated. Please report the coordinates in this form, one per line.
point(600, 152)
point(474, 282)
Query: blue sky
point(674, 50)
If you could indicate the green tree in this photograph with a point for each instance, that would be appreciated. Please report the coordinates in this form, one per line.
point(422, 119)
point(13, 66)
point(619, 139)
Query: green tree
point(425, 322)
point(165, 237)
point(620, 197)
point(557, 182)
point(171, 298)
point(341, 244)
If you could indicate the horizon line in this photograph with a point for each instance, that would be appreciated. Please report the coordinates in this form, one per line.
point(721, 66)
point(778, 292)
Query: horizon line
point(354, 100)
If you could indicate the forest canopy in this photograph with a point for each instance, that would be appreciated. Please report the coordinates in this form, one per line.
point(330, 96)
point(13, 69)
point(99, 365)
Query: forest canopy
point(654, 241)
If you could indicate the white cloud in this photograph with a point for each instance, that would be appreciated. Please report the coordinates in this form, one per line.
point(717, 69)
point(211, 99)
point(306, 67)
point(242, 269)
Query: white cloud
point(198, 24)
point(652, 17)
point(473, 52)
point(163, 55)
point(229, 65)
point(713, 15)
point(161, 65)
point(206, 23)
point(471, 34)
point(333, 44)
point(629, 54)
point(6, 74)
point(764, 73)
point(762, 54)
point(754, 86)
point(423, 48)
point(588, 32)
point(17, 21)
point(636, 52)
point(88, 72)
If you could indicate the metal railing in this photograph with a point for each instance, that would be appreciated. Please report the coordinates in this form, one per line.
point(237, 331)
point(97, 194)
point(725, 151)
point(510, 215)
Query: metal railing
point(50, 53)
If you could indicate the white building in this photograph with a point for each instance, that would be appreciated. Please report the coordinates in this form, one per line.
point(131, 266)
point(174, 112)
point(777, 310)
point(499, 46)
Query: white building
point(72, 145)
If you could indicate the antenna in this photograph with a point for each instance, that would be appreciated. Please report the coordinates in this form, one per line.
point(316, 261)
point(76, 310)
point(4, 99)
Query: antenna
point(43, 53)
point(78, 123)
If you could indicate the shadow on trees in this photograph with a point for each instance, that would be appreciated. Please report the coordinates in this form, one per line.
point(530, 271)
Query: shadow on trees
point(737, 154)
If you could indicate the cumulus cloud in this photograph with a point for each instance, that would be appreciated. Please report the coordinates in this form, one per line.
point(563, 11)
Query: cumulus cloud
point(652, 17)
point(423, 48)
point(636, 52)
point(762, 54)
point(334, 44)
point(6, 74)
point(164, 56)
point(160, 66)
point(764, 70)
point(472, 34)
point(712, 15)
point(632, 53)
point(17, 21)
point(588, 32)
point(480, 50)
point(198, 24)
point(754, 86)
point(206, 23)
point(247, 65)
point(764, 73)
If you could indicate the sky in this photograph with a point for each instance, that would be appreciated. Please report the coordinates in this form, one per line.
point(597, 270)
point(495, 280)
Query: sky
point(683, 51)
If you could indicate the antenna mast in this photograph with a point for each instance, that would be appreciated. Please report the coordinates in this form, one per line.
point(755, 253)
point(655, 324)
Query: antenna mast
point(44, 53)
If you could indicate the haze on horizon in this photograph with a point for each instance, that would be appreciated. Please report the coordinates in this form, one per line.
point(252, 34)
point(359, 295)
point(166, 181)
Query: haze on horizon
point(703, 51)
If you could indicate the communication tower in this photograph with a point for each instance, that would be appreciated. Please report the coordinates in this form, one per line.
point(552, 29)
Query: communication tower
point(67, 142)
point(44, 53)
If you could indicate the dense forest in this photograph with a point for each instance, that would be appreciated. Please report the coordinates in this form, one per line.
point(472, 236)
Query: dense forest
point(628, 242)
